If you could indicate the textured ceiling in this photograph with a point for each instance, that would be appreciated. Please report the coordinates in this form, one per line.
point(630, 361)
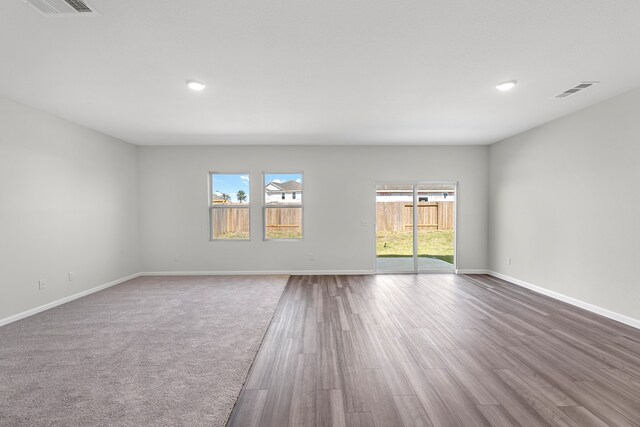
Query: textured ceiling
point(318, 72)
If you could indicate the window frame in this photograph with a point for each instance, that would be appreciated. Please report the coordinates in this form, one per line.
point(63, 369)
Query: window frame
point(266, 206)
point(212, 206)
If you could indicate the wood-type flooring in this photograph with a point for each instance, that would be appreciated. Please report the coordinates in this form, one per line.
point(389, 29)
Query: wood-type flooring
point(438, 350)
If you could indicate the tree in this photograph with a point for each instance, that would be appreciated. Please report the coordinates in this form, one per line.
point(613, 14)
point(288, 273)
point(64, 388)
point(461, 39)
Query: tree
point(225, 197)
point(241, 196)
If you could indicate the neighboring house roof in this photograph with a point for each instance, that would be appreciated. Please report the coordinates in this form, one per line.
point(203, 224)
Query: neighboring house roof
point(272, 186)
point(289, 186)
point(217, 198)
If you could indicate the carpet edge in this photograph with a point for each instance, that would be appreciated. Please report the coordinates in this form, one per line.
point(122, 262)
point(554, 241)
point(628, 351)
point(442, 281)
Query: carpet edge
point(52, 304)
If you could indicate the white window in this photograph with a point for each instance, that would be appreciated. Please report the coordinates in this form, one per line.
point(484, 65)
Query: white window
point(283, 210)
point(229, 206)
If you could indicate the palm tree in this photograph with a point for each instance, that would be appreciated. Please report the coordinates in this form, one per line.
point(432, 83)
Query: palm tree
point(241, 196)
point(225, 197)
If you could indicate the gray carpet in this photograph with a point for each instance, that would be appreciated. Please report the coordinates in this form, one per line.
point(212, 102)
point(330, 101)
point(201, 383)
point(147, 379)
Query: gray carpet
point(161, 351)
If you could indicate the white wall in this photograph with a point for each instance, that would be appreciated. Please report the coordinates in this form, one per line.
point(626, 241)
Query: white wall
point(70, 199)
point(549, 212)
point(338, 195)
point(68, 203)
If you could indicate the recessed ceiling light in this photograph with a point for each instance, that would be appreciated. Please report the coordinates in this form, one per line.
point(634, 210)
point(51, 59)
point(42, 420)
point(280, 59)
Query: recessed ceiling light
point(505, 86)
point(194, 85)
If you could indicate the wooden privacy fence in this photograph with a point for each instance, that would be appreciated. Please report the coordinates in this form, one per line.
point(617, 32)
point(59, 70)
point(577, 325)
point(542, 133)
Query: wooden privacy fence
point(398, 216)
point(284, 219)
point(236, 220)
point(229, 220)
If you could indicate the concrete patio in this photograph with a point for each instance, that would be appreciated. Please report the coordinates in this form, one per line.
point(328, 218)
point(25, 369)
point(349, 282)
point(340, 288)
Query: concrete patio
point(405, 264)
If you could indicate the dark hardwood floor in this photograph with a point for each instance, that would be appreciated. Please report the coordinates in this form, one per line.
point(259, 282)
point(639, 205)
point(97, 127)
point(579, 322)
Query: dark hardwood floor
point(441, 350)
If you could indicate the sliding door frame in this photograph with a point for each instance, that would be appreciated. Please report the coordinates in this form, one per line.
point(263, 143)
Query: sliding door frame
point(414, 185)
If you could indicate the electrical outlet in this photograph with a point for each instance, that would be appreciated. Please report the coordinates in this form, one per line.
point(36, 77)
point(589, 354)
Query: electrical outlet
point(363, 223)
point(70, 277)
point(509, 261)
point(42, 284)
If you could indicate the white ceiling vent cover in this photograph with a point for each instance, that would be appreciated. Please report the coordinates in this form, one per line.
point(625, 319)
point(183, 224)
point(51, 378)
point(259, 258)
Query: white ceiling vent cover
point(576, 89)
point(62, 7)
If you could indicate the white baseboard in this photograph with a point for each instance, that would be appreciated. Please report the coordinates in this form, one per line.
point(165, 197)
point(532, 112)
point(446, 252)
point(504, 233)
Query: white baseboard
point(471, 271)
point(262, 273)
point(561, 297)
point(285, 272)
point(570, 300)
point(64, 300)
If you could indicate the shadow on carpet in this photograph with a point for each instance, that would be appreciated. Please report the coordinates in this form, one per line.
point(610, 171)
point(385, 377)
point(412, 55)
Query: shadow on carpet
point(151, 351)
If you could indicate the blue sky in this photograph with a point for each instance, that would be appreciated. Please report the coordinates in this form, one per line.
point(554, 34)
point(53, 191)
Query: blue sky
point(282, 177)
point(232, 183)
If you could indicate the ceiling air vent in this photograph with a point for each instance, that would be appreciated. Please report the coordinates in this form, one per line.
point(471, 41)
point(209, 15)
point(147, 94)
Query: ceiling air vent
point(576, 89)
point(62, 7)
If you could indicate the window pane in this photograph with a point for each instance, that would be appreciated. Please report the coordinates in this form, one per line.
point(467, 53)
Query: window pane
point(230, 223)
point(394, 222)
point(436, 215)
point(283, 188)
point(229, 209)
point(229, 189)
point(283, 223)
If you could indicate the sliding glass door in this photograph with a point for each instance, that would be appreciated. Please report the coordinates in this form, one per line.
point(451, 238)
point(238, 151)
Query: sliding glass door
point(394, 230)
point(415, 227)
point(436, 212)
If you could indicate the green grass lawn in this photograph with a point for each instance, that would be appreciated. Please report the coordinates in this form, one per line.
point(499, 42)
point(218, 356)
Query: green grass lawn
point(271, 234)
point(432, 244)
point(283, 234)
point(232, 236)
